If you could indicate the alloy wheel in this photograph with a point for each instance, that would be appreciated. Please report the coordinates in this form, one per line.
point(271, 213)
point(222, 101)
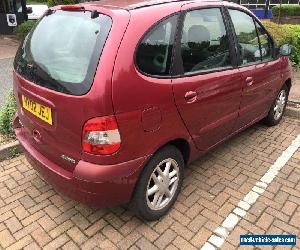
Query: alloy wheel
point(279, 104)
point(162, 184)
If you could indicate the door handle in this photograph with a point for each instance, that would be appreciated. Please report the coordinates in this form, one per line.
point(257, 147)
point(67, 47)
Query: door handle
point(190, 96)
point(249, 81)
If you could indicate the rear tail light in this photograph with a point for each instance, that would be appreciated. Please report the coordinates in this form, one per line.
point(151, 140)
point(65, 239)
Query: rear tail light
point(101, 136)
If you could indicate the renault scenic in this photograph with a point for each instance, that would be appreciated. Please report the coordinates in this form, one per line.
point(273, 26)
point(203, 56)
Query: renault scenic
point(115, 98)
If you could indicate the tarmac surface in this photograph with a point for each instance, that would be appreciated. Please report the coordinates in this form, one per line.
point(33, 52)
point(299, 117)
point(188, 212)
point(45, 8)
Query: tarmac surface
point(8, 48)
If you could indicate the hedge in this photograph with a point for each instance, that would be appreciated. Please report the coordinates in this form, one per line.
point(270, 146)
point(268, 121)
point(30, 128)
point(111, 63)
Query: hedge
point(6, 116)
point(286, 10)
point(36, 1)
point(23, 29)
point(58, 2)
point(286, 33)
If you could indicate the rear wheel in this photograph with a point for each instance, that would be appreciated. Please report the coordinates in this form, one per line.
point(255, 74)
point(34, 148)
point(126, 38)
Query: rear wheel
point(278, 107)
point(159, 184)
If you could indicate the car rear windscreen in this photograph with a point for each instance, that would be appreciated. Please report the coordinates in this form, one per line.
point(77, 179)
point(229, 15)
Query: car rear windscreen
point(63, 49)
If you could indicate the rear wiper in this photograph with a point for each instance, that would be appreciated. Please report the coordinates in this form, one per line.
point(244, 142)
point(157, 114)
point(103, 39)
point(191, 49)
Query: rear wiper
point(49, 12)
point(94, 14)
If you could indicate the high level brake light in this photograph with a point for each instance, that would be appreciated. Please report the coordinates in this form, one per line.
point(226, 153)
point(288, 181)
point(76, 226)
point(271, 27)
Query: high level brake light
point(71, 7)
point(100, 136)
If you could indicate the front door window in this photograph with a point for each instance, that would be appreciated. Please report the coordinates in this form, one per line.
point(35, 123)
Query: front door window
point(246, 35)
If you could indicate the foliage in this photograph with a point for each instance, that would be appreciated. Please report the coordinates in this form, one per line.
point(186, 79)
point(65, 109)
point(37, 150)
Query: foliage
point(286, 33)
point(24, 28)
point(286, 10)
point(58, 2)
point(6, 116)
point(36, 2)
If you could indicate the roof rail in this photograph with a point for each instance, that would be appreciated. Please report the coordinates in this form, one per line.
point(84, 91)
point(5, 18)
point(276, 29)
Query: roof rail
point(158, 2)
point(145, 3)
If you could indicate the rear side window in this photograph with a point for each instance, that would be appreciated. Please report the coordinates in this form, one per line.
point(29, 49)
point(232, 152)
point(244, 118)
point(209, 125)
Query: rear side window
point(204, 42)
point(62, 51)
point(153, 55)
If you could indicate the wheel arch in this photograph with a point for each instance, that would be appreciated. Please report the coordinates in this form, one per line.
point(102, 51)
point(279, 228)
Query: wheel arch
point(288, 83)
point(181, 144)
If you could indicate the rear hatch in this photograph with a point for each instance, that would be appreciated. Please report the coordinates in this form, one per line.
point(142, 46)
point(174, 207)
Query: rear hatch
point(62, 77)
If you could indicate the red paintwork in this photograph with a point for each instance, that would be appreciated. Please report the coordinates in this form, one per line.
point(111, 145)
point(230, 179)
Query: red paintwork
point(150, 112)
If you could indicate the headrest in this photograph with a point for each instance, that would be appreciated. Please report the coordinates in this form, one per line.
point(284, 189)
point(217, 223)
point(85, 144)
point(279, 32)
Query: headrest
point(198, 34)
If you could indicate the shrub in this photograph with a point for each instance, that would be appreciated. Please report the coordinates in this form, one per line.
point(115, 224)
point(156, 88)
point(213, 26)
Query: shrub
point(286, 10)
point(36, 1)
point(24, 28)
point(58, 2)
point(6, 116)
point(286, 33)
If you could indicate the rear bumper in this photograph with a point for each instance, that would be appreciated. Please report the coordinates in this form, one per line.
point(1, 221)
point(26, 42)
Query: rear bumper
point(96, 185)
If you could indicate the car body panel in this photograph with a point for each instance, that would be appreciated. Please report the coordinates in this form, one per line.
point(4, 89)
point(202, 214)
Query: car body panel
point(71, 112)
point(93, 184)
point(150, 111)
point(259, 93)
point(145, 118)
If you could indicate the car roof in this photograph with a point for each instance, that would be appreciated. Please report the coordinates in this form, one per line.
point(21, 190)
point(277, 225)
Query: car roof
point(136, 4)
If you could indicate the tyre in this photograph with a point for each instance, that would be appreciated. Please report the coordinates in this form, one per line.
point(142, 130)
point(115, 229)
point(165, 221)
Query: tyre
point(159, 184)
point(278, 107)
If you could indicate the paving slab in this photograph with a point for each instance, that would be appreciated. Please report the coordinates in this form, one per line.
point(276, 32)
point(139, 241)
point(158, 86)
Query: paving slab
point(33, 214)
point(8, 46)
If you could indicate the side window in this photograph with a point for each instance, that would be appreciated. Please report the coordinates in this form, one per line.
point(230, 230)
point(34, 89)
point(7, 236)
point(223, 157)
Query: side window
point(204, 42)
point(245, 30)
point(153, 54)
point(265, 43)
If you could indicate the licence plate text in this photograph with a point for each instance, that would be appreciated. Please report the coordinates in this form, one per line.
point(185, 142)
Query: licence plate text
point(39, 110)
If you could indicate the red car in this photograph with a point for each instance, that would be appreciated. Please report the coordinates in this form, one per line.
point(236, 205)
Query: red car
point(115, 98)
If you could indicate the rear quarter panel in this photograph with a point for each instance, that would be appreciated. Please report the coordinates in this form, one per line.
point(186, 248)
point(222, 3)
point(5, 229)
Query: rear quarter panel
point(144, 106)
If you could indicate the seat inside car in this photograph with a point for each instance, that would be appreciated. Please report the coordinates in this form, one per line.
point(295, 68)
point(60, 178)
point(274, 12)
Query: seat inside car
point(198, 42)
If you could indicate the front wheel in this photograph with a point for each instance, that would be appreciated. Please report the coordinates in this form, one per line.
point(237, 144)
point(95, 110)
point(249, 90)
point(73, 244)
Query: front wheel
point(278, 107)
point(159, 184)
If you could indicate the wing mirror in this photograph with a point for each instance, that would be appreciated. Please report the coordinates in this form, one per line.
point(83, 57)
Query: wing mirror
point(257, 54)
point(285, 49)
point(262, 52)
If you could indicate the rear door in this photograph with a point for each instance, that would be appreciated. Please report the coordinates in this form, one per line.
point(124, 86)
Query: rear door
point(61, 81)
point(208, 89)
point(259, 69)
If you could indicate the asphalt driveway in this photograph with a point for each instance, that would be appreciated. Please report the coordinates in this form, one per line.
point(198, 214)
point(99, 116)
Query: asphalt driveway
point(5, 78)
point(8, 48)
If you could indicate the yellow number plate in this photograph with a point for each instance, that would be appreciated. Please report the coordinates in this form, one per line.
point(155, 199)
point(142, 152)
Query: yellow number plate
point(39, 110)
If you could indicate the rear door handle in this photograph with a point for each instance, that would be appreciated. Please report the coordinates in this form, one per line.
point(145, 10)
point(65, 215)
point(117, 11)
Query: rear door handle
point(249, 81)
point(190, 96)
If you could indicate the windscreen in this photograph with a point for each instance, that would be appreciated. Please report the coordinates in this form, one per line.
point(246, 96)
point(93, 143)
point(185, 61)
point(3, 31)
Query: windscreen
point(62, 51)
